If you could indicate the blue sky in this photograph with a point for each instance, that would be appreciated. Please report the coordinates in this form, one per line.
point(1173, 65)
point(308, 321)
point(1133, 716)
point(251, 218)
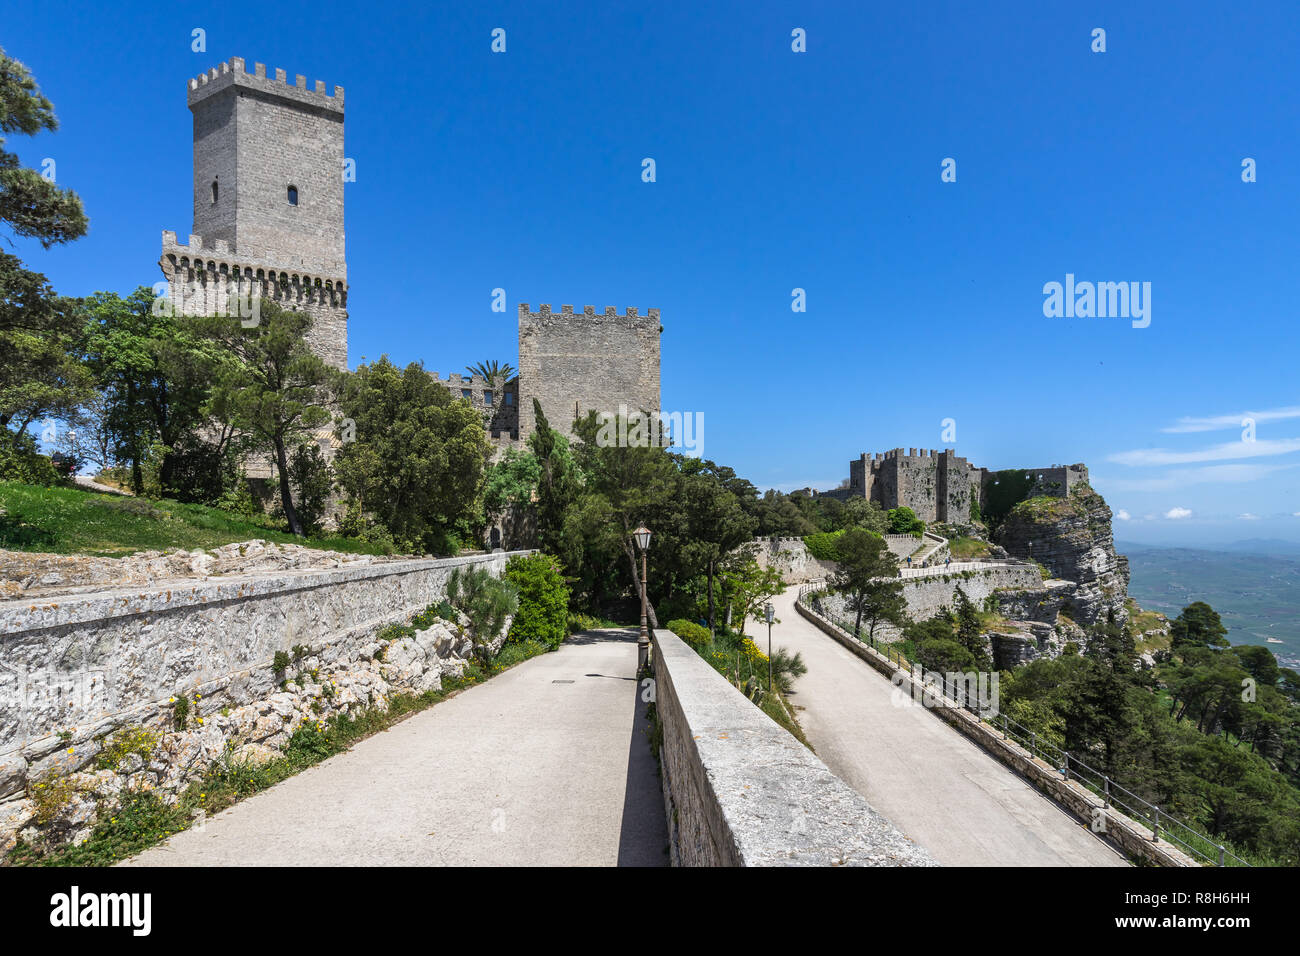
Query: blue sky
point(779, 170)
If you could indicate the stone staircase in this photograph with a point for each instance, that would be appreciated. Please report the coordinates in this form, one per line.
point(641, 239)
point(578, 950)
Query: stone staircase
point(933, 549)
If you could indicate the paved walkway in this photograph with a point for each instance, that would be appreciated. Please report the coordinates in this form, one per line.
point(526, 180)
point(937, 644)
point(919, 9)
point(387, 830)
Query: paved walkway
point(935, 785)
point(546, 764)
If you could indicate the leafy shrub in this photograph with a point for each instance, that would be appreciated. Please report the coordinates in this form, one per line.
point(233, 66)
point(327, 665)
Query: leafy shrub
point(21, 462)
point(693, 634)
point(822, 545)
point(785, 668)
point(441, 611)
point(124, 742)
point(904, 521)
point(50, 793)
point(486, 600)
point(543, 599)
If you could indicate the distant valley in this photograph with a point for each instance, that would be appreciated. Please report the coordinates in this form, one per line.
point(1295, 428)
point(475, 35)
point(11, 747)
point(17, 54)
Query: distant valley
point(1256, 593)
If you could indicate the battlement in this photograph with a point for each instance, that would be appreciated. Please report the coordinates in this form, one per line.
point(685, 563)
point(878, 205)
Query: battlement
point(233, 73)
point(215, 255)
point(545, 311)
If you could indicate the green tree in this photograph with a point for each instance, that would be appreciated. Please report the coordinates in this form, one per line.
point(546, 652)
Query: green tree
point(1198, 625)
point(624, 487)
point(418, 460)
point(868, 577)
point(749, 587)
point(275, 390)
point(492, 370)
point(970, 634)
point(30, 204)
point(558, 480)
point(903, 520)
point(309, 479)
point(40, 332)
point(153, 371)
point(717, 521)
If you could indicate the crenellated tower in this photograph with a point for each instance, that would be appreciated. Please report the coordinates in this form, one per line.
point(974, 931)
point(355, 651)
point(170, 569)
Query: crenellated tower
point(268, 201)
point(577, 362)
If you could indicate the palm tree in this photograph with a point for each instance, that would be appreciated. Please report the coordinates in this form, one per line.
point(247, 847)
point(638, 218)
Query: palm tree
point(492, 369)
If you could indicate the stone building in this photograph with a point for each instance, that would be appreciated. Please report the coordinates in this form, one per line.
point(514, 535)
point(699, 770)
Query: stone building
point(577, 362)
point(940, 486)
point(268, 202)
point(268, 221)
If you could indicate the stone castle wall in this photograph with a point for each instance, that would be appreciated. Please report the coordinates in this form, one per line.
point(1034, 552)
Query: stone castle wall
point(586, 361)
point(940, 486)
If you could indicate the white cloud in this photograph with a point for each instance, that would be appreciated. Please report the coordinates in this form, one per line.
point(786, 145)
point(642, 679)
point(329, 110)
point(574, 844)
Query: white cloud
point(1122, 515)
point(1175, 513)
point(1222, 452)
point(1248, 517)
point(1217, 422)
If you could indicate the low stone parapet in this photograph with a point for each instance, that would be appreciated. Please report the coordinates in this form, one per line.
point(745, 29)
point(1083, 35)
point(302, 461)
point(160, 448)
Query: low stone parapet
point(739, 790)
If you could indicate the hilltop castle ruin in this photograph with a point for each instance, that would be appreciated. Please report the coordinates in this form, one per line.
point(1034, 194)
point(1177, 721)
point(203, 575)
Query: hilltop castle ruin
point(940, 486)
point(268, 221)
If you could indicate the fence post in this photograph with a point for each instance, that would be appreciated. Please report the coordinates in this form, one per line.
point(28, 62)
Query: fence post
point(1106, 790)
point(1004, 726)
point(1220, 856)
point(1065, 767)
point(1033, 743)
point(1155, 833)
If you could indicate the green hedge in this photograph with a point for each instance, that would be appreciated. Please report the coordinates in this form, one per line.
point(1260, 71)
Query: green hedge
point(543, 614)
point(690, 632)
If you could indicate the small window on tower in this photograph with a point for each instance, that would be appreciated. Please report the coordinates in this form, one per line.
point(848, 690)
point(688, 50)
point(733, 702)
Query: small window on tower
point(293, 195)
point(487, 398)
point(466, 394)
point(214, 191)
point(510, 398)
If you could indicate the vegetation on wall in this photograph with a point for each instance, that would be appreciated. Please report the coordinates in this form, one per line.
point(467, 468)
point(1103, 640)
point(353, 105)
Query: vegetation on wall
point(1002, 491)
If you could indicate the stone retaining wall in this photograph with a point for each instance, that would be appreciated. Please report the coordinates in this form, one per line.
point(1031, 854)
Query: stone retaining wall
point(791, 558)
point(73, 668)
point(1132, 837)
point(739, 790)
point(927, 595)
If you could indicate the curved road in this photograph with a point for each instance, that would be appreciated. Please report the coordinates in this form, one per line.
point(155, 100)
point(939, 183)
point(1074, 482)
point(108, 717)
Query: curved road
point(546, 764)
point(935, 785)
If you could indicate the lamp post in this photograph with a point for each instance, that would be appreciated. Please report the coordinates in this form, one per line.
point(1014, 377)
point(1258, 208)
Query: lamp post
point(642, 537)
point(769, 612)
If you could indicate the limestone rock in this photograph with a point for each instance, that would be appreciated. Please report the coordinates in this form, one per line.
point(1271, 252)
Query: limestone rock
point(255, 754)
point(1072, 538)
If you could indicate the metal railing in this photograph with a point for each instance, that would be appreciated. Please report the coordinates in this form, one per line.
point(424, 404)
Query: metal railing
point(1113, 795)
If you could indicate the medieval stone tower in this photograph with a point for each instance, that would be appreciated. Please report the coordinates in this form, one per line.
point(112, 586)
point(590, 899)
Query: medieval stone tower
point(577, 362)
point(268, 202)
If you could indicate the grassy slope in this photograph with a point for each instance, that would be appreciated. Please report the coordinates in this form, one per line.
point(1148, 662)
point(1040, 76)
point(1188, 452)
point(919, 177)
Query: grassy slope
point(72, 521)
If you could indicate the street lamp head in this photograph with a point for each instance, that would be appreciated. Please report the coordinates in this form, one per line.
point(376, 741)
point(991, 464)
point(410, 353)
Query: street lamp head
point(642, 536)
point(769, 612)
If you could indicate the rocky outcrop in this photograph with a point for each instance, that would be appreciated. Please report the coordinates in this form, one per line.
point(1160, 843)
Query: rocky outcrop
point(790, 557)
point(1072, 538)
